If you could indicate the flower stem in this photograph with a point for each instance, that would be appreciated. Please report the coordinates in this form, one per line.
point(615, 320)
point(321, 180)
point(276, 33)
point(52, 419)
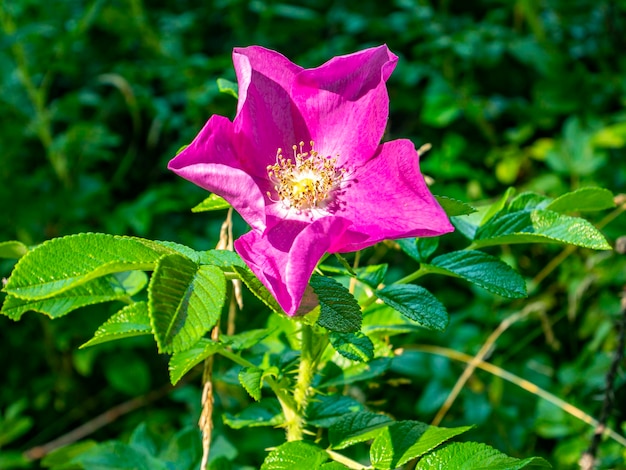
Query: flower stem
point(302, 390)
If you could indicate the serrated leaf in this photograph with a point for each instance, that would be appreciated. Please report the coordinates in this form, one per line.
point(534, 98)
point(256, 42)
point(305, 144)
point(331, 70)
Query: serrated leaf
point(246, 339)
point(356, 427)
point(12, 249)
point(185, 301)
point(211, 203)
point(339, 310)
point(583, 199)
point(454, 207)
point(527, 201)
point(132, 320)
point(221, 258)
point(228, 87)
point(295, 455)
point(484, 270)
point(327, 409)
point(417, 304)
point(266, 412)
point(63, 263)
point(103, 289)
point(250, 378)
point(358, 372)
point(406, 440)
point(257, 288)
point(539, 226)
point(475, 456)
point(182, 362)
point(354, 346)
point(493, 209)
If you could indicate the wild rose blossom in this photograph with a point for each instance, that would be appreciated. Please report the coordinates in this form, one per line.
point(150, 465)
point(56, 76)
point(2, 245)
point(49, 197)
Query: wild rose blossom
point(303, 164)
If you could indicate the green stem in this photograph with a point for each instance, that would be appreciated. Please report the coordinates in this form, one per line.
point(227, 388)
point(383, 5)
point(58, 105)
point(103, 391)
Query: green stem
point(413, 276)
point(302, 391)
point(286, 401)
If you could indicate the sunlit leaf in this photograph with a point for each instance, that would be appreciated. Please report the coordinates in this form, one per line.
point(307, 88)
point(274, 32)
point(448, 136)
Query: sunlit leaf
point(185, 301)
point(475, 456)
point(211, 203)
point(406, 440)
point(182, 362)
point(63, 263)
point(132, 320)
point(356, 427)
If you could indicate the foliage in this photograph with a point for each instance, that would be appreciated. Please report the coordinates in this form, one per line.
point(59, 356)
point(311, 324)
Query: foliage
point(100, 95)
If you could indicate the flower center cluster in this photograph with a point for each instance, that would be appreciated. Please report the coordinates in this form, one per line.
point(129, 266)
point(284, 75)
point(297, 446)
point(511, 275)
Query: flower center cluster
point(307, 180)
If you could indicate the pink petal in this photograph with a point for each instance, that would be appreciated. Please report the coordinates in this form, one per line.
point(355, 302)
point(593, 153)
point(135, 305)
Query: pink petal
point(211, 162)
point(266, 119)
point(387, 198)
point(345, 103)
point(285, 256)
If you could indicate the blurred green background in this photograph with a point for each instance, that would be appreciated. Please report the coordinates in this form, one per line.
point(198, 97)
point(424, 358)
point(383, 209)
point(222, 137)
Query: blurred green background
point(97, 96)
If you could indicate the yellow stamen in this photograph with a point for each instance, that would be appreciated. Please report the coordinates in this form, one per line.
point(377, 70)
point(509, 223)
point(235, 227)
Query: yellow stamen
point(307, 181)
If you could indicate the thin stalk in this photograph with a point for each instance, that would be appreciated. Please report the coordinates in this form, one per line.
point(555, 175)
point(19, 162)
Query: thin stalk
point(522, 383)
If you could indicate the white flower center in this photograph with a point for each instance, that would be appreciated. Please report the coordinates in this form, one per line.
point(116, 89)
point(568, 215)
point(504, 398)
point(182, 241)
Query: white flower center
point(307, 181)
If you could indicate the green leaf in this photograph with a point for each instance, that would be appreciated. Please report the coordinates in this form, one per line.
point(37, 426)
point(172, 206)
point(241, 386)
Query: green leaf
point(583, 199)
point(132, 320)
point(250, 378)
point(60, 264)
point(247, 339)
point(339, 310)
point(354, 346)
point(539, 226)
point(356, 427)
point(266, 412)
point(221, 258)
point(185, 301)
point(62, 455)
point(228, 87)
point(475, 456)
point(211, 203)
point(406, 440)
point(257, 288)
point(115, 455)
point(328, 409)
point(454, 207)
point(419, 249)
point(497, 206)
point(382, 320)
point(484, 270)
point(295, 455)
point(417, 304)
point(527, 201)
point(12, 249)
point(182, 362)
point(103, 289)
point(372, 275)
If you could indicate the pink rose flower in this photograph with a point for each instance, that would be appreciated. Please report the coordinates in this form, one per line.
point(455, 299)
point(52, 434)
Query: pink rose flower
point(304, 165)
